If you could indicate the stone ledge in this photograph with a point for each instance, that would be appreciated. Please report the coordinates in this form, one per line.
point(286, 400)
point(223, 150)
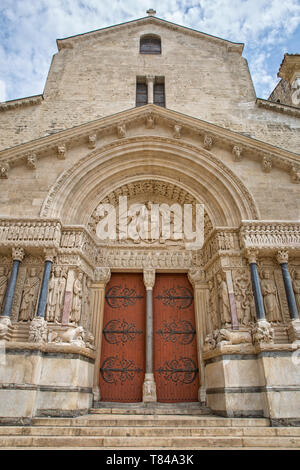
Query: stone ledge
point(45, 348)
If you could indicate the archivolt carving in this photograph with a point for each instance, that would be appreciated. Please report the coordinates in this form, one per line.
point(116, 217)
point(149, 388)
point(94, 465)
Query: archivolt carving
point(189, 161)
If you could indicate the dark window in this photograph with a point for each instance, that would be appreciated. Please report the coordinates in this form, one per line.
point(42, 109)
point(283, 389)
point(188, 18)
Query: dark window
point(141, 94)
point(150, 45)
point(159, 94)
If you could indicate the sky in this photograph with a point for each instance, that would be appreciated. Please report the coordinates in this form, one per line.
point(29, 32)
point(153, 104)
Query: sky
point(29, 29)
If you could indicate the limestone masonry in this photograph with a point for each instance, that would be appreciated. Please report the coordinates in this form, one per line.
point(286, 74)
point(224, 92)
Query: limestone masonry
point(162, 115)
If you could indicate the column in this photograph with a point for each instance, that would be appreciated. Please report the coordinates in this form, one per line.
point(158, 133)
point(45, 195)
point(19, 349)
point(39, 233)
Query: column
point(17, 255)
point(102, 277)
point(150, 84)
point(294, 326)
point(49, 257)
point(251, 254)
point(282, 258)
point(149, 387)
point(197, 279)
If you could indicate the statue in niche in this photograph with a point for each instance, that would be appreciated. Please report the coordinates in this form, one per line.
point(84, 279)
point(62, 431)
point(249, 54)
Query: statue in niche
point(3, 283)
point(269, 292)
point(61, 289)
point(243, 295)
point(55, 296)
point(223, 301)
point(77, 299)
point(29, 298)
point(212, 307)
point(296, 287)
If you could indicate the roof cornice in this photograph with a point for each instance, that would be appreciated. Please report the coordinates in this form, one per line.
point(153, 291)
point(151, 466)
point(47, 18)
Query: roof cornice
point(179, 124)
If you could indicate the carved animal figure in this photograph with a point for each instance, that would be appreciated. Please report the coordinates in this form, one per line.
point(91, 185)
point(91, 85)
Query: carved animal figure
point(227, 337)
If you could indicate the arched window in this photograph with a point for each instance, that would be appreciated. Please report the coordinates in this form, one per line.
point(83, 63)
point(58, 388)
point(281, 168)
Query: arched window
point(150, 44)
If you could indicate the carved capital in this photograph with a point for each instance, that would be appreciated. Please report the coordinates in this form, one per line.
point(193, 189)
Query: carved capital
point(208, 142)
point(267, 164)
point(196, 275)
point(282, 256)
point(102, 275)
point(237, 153)
point(31, 161)
point(49, 254)
point(61, 152)
point(18, 253)
point(4, 168)
point(251, 255)
point(294, 331)
point(150, 79)
point(149, 278)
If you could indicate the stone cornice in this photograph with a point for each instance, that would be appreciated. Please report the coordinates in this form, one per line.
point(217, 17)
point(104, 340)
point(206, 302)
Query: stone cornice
point(72, 41)
point(21, 102)
point(278, 107)
point(270, 235)
point(127, 120)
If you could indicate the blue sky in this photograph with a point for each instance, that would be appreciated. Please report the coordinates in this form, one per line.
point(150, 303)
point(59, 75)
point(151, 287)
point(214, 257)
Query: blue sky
point(29, 29)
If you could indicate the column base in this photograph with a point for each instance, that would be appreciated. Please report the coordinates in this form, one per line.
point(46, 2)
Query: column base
point(149, 389)
point(202, 395)
point(96, 394)
point(294, 331)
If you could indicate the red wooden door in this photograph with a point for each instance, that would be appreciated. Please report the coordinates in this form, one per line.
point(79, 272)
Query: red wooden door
point(175, 346)
point(122, 365)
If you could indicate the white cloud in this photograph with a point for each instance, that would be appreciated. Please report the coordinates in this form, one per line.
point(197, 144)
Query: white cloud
point(2, 91)
point(28, 30)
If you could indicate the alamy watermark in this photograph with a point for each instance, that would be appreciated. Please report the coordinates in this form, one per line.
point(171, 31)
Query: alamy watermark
point(152, 222)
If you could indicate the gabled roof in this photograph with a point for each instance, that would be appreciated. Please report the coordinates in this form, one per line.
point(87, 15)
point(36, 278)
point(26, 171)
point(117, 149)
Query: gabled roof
point(69, 42)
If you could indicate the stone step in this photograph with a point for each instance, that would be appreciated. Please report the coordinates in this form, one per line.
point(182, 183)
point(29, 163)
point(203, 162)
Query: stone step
point(150, 431)
point(151, 442)
point(150, 420)
point(150, 411)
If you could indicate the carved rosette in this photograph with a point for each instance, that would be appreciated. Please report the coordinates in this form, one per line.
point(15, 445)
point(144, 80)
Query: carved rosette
point(92, 141)
point(102, 275)
point(38, 330)
point(17, 253)
point(267, 163)
point(262, 332)
point(149, 278)
point(282, 256)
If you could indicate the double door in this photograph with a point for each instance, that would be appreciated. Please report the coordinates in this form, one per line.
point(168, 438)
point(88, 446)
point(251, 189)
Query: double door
point(175, 364)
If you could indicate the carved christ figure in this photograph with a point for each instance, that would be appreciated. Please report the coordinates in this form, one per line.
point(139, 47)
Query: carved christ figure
point(30, 292)
point(77, 300)
point(269, 292)
point(223, 301)
point(296, 287)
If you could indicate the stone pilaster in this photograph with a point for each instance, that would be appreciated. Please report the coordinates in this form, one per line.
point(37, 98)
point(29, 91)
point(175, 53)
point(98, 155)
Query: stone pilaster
point(149, 386)
point(101, 278)
point(201, 294)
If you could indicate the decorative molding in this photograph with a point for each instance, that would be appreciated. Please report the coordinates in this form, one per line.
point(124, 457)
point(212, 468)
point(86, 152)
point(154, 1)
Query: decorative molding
point(61, 152)
point(267, 164)
point(278, 107)
point(22, 102)
point(196, 276)
point(177, 131)
point(237, 153)
point(31, 161)
point(121, 131)
point(92, 139)
point(207, 142)
point(4, 168)
point(270, 235)
point(30, 233)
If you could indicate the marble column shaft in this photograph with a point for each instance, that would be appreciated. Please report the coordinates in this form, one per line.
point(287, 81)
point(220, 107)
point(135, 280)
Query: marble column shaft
point(293, 311)
point(44, 289)
point(18, 255)
point(258, 298)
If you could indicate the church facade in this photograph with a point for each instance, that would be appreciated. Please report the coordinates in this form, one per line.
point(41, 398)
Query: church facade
point(149, 134)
